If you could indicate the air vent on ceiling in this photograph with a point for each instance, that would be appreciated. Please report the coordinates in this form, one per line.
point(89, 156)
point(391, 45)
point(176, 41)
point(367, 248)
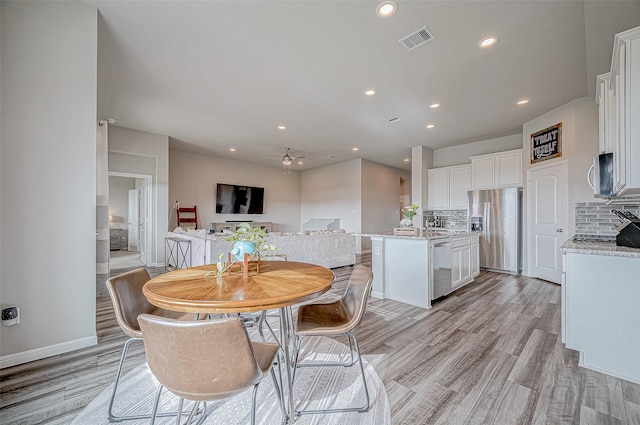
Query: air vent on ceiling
point(417, 38)
point(392, 119)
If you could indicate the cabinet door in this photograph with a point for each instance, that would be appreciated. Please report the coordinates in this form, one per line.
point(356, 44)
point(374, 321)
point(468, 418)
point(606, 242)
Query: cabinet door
point(483, 173)
point(508, 169)
point(475, 259)
point(465, 264)
point(438, 197)
point(456, 267)
point(460, 184)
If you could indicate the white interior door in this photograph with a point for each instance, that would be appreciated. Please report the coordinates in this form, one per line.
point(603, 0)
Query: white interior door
point(547, 219)
point(134, 220)
point(144, 220)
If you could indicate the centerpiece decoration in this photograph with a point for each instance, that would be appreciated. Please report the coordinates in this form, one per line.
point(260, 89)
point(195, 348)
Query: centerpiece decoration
point(248, 248)
point(409, 212)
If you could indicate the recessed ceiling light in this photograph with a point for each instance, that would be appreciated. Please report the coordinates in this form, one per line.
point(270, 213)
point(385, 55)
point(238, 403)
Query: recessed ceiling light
point(430, 126)
point(232, 149)
point(522, 102)
point(406, 160)
point(386, 9)
point(282, 127)
point(370, 92)
point(488, 41)
point(354, 149)
point(434, 105)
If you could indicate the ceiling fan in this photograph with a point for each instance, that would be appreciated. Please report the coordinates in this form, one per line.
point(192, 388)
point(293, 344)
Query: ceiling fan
point(287, 158)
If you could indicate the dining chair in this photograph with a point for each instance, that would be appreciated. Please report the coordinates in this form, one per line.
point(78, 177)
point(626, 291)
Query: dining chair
point(129, 302)
point(335, 319)
point(191, 361)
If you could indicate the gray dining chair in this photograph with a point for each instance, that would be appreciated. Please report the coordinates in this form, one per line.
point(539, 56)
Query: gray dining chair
point(129, 302)
point(206, 360)
point(336, 318)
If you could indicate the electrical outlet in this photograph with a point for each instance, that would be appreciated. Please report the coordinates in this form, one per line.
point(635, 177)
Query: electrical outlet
point(10, 316)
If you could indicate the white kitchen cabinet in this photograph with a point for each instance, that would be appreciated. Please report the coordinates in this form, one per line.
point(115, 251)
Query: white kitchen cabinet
point(460, 261)
point(497, 170)
point(475, 256)
point(600, 313)
point(483, 172)
point(606, 113)
point(618, 97)
point(448, 187)
point(438, 197)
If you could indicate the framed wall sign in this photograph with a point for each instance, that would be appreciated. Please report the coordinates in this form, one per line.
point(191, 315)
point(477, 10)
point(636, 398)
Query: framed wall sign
point(546, 144)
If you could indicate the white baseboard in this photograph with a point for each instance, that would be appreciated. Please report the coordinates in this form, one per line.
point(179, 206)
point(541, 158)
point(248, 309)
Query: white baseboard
point(581, 363)
point(51, 350)
point(378, 295)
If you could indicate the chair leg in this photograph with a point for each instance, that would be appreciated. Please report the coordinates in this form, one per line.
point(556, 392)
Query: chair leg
point(253, 404)
point(178, 416)
point(279, 394)
point(360, 409)
point(112, 417)
point(156, 403)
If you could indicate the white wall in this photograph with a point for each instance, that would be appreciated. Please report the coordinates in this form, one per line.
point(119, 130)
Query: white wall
point(48, 193)
point(119, 188)
point(333, 191)
point(193, 180)
point(457, 155)
point(381, 192)
point(138, 152)
point(579, 120)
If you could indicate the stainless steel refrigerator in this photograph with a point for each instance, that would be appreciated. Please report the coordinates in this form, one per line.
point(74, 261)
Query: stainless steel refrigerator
point(496, 215)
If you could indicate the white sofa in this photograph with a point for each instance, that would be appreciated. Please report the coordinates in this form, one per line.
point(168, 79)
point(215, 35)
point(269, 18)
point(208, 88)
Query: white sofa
point(329, 249)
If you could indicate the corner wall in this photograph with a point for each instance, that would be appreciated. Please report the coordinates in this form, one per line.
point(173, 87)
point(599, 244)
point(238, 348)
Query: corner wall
point(48, 177)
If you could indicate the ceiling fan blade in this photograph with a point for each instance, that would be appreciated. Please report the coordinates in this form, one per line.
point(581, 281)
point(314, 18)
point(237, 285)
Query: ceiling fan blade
point(271, 157)
point(300, 157)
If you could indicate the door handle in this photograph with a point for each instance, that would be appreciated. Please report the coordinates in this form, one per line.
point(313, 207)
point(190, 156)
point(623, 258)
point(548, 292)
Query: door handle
point(559, 230)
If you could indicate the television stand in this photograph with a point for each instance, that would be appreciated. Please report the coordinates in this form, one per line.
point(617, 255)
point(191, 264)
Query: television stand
point(232, 225)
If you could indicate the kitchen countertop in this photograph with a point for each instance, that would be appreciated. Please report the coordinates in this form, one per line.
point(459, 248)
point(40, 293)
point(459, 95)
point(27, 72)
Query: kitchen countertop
point(428, 235)
point(599, 248)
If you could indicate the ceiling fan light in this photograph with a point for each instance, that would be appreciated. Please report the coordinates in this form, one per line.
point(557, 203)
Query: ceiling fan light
point(286, 160)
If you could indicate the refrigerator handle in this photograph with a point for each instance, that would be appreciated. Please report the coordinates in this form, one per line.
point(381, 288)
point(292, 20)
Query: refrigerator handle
point(487, 221)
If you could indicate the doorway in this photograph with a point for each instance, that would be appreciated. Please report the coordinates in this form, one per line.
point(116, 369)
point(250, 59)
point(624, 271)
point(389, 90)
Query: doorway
point(547, 212)
point(129, 220)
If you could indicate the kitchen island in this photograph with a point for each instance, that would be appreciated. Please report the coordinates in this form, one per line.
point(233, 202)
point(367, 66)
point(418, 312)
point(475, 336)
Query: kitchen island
point(413, 269)
point(600, 306)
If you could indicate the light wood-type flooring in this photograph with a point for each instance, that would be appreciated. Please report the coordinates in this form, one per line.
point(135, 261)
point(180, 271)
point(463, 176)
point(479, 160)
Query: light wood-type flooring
point(489, 353)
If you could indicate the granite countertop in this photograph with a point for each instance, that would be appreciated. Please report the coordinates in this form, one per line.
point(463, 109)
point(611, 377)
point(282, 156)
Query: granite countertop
point(599, 248)
point(425, 235)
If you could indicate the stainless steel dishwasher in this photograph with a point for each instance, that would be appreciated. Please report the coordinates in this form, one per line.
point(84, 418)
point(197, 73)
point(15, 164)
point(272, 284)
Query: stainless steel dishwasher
point(441, 267)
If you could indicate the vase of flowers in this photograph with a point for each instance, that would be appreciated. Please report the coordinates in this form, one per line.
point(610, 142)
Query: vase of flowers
point(409, 212)
point(247, 240)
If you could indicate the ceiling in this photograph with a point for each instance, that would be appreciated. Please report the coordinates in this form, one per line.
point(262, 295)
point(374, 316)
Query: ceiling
point(215, 75)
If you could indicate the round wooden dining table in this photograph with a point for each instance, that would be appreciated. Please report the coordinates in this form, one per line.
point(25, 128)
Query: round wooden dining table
point(280, 284)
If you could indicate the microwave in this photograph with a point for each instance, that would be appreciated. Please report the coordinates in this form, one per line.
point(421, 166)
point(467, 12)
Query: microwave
point(603, 175)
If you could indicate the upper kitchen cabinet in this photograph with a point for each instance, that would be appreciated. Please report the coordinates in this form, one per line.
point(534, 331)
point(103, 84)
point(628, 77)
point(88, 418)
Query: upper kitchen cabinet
point(618, 97)
point(448, 187)
point(497, 170)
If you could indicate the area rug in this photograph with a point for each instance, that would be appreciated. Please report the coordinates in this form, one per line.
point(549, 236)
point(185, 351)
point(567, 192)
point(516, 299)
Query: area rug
point(315, 388)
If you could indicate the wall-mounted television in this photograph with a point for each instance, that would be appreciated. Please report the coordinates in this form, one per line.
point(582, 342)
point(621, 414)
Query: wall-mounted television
point(235, 199)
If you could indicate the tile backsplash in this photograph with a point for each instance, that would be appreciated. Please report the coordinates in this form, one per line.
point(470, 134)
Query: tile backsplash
point(449, 219)
point(596, 218)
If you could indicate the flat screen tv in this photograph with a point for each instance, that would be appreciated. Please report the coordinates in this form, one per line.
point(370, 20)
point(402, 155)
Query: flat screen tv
point(233, 199)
